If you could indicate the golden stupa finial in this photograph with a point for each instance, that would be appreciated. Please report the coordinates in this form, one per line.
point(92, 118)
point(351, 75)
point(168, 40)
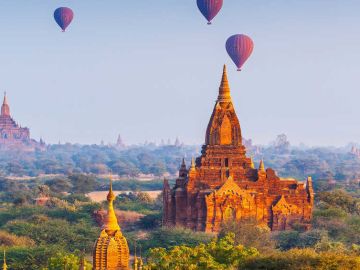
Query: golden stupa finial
point(192, 167)
point(262, 166)
point(224, 89)
point(135, 265)
point(4, 264)
point(252, 165)
point(111, 224)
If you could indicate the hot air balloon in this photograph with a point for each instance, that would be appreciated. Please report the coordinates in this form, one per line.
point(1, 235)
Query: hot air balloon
point(209, 8)
point(63, 17)
point(239, 48)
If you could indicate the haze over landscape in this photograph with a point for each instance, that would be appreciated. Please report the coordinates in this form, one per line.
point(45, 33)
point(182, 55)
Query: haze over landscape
point(141, 69)
point(127, 144)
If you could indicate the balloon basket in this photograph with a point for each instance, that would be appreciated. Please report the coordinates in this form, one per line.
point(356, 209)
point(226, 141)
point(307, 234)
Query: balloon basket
point(239, 69)
point(209, 23)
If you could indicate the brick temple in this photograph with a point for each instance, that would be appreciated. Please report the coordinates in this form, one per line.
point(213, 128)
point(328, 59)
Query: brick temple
point(12, 135)
point(224, 185)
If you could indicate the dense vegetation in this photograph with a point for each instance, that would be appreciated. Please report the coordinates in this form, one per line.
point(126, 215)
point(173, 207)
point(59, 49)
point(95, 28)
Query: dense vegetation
point(326, 163)
point(95, 159)
point(57, 233)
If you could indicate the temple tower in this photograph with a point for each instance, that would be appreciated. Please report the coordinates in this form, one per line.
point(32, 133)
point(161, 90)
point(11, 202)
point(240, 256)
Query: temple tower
point(223, 184)
point(5, 108)
point(111, 251)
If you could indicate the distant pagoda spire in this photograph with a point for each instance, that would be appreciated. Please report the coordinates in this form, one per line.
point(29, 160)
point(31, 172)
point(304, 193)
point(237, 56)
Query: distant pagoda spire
point(5, 108)
point(224, 89)
point(4, 264)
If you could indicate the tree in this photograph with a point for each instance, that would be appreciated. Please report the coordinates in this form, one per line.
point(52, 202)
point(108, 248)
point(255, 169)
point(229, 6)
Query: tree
point(59, 185)
point(66, 261)
point(82, 183)
point(219, 254)
point(249, 233)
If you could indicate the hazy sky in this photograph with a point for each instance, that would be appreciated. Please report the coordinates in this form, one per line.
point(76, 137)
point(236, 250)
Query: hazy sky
point(150, 69)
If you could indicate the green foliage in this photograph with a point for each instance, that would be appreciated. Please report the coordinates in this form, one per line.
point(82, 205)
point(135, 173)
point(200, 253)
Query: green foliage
point(171, 237)
point(63, 261)
point(56, 231)
point(151, 221)
point(248, 233)
point(34, 258)
point(341, 199)
point(59, 185)
point(7, 239)
point(286, 240)
point(303, 259)
point(137, 201)
point(72, 158)
point(82, 183)
point(218, 254)
point(136, 185)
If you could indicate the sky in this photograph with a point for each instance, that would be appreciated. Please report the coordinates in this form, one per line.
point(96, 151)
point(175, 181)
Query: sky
point(150, 70)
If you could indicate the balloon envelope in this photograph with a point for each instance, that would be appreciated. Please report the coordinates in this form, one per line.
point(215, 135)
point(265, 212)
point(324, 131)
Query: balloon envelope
point(239, 48)
point(63, 17)
point(209, 8)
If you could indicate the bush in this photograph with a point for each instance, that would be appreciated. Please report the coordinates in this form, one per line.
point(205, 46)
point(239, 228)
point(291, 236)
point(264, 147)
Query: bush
point(9, 240)
point(303, 259)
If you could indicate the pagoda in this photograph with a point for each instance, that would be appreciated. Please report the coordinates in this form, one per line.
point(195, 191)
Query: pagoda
point(111, 251)
point(11, 134)
point(223, 184)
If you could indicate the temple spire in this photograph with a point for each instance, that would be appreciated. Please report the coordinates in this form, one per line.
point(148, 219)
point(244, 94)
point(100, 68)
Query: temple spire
point(4, 264)
point(252, 165)
point(224, 89)
point(5, 109)
point(192, 167)
point(135, 265)
point(111, 224)
point(262, 166)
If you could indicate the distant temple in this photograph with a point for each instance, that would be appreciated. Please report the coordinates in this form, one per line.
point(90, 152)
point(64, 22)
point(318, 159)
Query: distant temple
point(224, 185)
point(355, 151)
point(120, 143)
point(12, 135)
point(111, 251)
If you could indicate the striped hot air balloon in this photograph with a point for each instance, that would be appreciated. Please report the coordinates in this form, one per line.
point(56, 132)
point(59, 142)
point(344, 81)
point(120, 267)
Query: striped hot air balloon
point(209, 8)
point(63, 17)
point(239, 48)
